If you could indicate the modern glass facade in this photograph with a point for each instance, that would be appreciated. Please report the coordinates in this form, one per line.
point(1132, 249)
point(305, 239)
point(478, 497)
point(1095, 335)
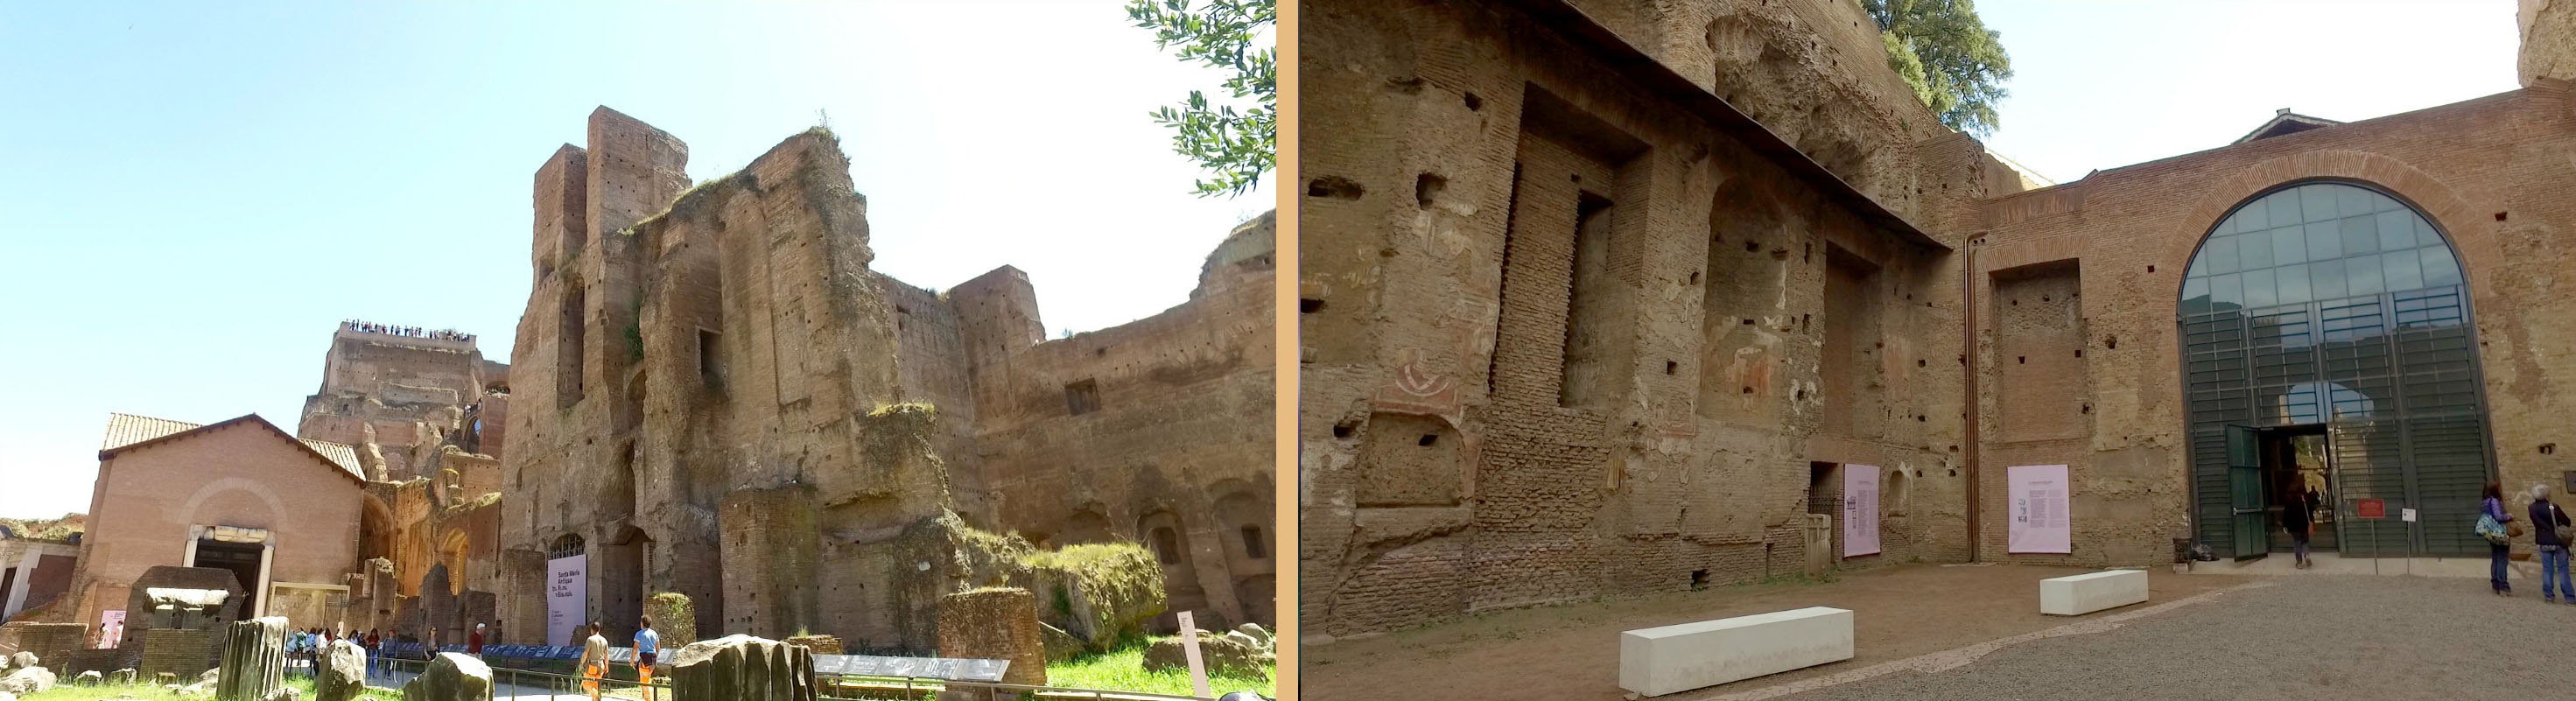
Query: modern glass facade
point(2334, 305)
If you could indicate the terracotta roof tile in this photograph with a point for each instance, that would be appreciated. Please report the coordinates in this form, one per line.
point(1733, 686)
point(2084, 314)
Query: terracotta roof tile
point(128, 429)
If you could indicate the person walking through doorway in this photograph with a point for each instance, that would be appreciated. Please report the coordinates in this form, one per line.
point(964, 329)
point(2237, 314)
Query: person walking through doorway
point(2549, 526)
point(2499, 541)
point(648, 643)
point(2296, 518)
point(594, 661)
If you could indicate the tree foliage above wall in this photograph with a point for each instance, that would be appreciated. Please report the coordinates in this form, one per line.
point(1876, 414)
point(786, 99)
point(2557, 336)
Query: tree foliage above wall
point(1955, 64)
point(1237, 147)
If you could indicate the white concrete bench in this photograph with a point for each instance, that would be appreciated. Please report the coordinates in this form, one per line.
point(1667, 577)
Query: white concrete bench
point(2092, 591)
point(1659, 661)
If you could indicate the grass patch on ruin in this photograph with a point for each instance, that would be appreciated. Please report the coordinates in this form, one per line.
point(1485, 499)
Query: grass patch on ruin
point(1123, 669)
point(303, 687)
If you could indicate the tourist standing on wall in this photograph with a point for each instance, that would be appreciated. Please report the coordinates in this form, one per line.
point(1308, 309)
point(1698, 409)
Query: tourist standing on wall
point(2492, 520)
point(2549, 531)
point(649, 643)
point(594, 661)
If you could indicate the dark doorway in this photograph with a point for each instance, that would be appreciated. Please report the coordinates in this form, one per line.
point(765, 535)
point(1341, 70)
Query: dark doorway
point(243, 560)
point(2298, 466)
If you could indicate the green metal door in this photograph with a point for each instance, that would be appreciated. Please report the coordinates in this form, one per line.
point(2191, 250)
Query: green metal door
point(2245, 492)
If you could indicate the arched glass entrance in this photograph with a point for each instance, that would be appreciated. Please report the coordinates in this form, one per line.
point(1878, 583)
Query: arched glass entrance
point(2331, 309)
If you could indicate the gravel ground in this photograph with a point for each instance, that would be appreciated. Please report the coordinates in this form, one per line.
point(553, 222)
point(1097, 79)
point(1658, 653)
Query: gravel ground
point(2303, 637)
point(1571, 652)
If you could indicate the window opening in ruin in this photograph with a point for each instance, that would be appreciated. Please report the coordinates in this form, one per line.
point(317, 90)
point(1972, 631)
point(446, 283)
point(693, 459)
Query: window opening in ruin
point(1167, 546)
point(1082, 397)
point(1848, 376)
point(710, 367)
point(1824, 495)
point(1699, 579)
point(1428, 439)
point(568, 346)
point(567, 546)
point(1307, 305)
point(1587, 302)
point(1253, 545)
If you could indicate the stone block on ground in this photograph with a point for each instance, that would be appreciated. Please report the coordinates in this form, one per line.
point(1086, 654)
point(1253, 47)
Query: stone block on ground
point(90, 678)
point(121, 677)
point(1246, 639)
point(820, 644)
point(451, 677)
point(22, 660)
point(2092, 591)
point(340, 673)
point(283, 693)
point(996, 623)
point(1060, 645)
point(27, 680)
point(1676, 658)
point(1222, 655)
point(254, 660)
point(1256, 631)
point(742, 668)
point(1098, 592)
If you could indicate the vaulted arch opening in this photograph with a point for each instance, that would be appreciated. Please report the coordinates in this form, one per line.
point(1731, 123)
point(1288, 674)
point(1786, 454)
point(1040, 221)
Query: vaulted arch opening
point(2329, 358)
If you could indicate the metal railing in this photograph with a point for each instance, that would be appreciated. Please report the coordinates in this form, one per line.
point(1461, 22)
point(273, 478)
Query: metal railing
point(508, 682)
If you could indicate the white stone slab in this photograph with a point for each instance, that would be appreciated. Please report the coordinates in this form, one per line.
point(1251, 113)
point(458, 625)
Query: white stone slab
point(2092, 591)
point(1676, 658)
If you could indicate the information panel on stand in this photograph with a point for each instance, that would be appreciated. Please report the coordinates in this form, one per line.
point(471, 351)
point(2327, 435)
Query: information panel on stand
point(922, 667)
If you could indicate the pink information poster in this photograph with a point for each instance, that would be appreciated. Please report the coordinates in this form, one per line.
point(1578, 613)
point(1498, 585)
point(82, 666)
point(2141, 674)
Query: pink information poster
point(2041, 522)
point(111, 628)
point(1860, 510)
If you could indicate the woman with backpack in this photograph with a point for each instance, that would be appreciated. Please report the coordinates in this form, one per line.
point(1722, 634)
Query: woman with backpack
point(2492, 521)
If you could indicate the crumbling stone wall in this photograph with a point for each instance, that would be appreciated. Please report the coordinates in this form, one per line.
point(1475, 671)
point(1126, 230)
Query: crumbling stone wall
point(721, 400)
point(403, 394)
point(1564, 338)
point(2548, 40)
point(1153, 431)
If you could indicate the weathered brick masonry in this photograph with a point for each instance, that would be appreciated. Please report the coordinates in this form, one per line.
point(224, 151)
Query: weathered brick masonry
point(1529, 375)
point(717, 396)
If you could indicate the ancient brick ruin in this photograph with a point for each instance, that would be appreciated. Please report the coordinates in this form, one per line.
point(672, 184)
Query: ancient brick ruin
point(732, 419)
point(717, 397)
point(1605, 296)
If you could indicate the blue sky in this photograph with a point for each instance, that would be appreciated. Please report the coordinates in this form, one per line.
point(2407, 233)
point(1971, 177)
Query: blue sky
point(2100, 84)
point(193, 195)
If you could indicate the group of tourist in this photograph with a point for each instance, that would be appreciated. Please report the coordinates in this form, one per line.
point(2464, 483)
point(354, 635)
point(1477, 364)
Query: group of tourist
point(305, 648)
point(594, 658)
point(2553, 532)
point(407, 331)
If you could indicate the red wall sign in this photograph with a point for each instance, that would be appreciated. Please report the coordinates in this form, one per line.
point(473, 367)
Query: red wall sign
point(2374, 508)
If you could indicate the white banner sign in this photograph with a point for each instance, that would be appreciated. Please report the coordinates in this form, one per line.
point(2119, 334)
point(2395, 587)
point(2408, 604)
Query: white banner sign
point(2042, 521)
point(1860, 510)
point(567, 597)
